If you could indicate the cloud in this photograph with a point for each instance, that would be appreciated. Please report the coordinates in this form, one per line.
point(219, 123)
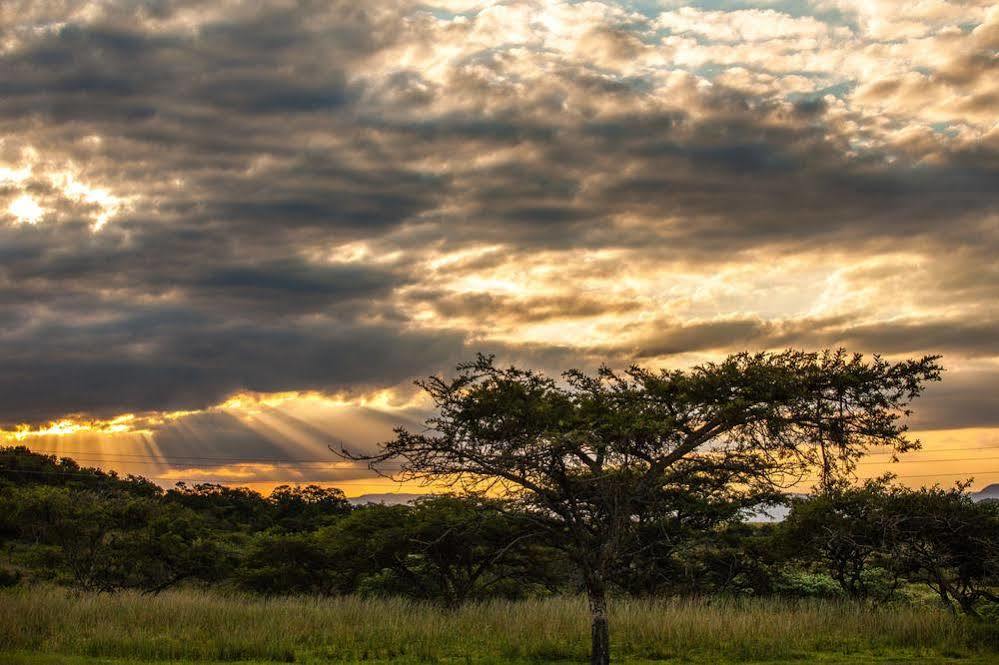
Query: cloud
point(201, 198)
point(744, 25)
point(159, 359)
point(965, 339)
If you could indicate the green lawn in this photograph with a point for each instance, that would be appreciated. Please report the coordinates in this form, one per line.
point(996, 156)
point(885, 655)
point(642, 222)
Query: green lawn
point(55, 627)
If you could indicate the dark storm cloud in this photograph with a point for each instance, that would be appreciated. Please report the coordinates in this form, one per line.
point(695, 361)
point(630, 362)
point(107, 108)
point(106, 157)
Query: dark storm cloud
point(522, 310)
point(966, 339)
point(252, 145)
point(676, 339)
point(965, 399)
point(738, 179)
point(293, 285)
point(173, 361)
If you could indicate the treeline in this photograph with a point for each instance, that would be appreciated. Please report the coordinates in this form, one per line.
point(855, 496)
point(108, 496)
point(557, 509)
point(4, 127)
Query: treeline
point(65, 524)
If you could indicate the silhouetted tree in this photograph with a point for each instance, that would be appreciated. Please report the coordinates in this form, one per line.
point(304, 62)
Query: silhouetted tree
point(229, 508)
point(307, 508)
point(588, 455)
point(21, 466)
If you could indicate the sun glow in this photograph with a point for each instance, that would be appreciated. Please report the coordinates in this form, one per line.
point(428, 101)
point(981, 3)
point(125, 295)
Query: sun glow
point(107, 204)
point(127, 423)
point(302, 426)
point(386, 399)
point(63, 181)
point(240, 405)
point(26, 210)
point(286, 439)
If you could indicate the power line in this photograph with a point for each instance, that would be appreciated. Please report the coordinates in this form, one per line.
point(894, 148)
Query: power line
point(288, 464)
point(61, 453)
point(925, 461)
point(326, 480)
point(292, 463)
point(16, 470)
point(89, 456)
point(120, 457)
point(165, 461)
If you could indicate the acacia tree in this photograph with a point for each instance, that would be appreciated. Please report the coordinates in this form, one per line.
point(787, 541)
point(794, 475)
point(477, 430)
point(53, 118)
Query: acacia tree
point(587, 456)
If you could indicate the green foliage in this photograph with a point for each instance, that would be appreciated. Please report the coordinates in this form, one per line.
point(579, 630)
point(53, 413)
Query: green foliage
point(443, 548)
point(108, 541)
point(802, 584)
point(295, 563)
point(737, 559)
point(307, 508)
point(229, 508)
point(950, 543)
point(21, 466)
point(870, 538)
point(699, 544)
point(848, 533)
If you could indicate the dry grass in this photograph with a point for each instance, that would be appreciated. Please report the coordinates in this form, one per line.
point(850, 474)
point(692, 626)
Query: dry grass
point(192, 625)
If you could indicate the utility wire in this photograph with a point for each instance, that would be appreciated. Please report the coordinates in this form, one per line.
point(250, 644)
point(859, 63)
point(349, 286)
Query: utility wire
point(91, 455)
point(313, 464)
point(326, 480)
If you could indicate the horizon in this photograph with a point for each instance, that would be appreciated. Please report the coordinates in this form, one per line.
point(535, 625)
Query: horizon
point(231, 236)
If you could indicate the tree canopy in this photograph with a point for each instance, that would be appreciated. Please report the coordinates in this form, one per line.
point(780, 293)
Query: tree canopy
point(588, 455)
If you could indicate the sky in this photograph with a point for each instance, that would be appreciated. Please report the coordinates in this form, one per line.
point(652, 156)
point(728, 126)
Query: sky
point(233, 233)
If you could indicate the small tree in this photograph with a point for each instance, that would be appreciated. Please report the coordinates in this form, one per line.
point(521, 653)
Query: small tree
point(446, 549)
point(668, 545)
point(941, 538)
point(948, 542)
point(850, 531)
point(587, 456)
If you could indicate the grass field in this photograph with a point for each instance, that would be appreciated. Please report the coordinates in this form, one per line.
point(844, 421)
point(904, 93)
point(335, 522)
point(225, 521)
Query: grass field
point(54, 627)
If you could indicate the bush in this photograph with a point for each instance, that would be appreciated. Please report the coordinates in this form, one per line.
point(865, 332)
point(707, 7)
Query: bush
point(801, 584)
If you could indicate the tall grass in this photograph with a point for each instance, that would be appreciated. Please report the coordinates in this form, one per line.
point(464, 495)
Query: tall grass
point(212, 626)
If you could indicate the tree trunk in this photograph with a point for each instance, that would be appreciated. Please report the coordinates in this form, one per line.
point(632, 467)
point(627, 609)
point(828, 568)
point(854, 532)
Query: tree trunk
point(968, 606)
point(599, 630)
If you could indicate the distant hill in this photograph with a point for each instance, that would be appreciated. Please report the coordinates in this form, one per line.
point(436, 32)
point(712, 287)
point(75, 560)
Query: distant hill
point(388, 499)
point(988, 492)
